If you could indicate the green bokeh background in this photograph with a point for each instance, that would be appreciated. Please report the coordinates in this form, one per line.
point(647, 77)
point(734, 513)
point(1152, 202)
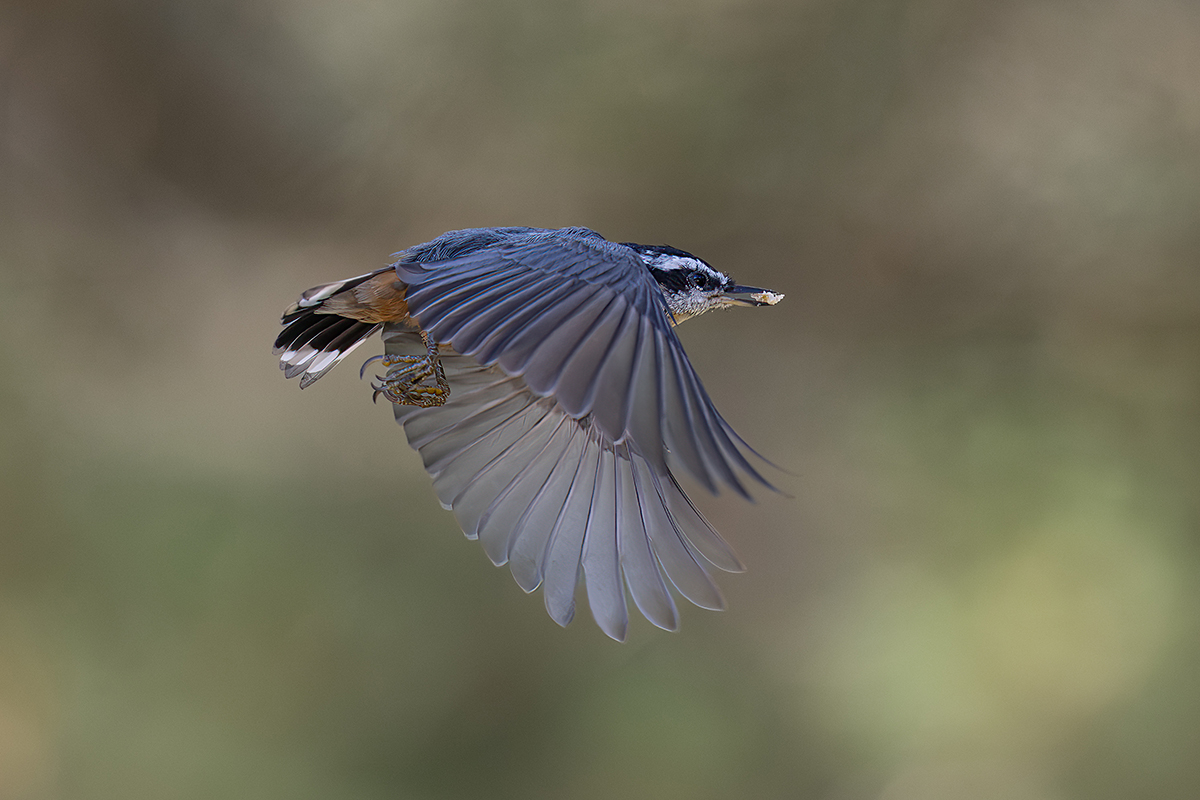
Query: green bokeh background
point(984, 383)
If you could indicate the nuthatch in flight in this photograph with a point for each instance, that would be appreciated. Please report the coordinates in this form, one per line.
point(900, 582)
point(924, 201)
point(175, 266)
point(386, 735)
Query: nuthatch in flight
point(538, 374)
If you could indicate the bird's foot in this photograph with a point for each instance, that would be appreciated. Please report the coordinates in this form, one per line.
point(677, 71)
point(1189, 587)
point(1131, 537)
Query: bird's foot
point(405, 382)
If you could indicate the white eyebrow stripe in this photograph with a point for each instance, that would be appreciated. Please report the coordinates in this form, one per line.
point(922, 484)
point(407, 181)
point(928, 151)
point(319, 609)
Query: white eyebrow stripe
point(666, 261)
point(669, 263)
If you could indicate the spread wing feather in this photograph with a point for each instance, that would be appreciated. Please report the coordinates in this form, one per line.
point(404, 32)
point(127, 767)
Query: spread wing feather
point(601, 557)
point(646, 585)
point(499, 340)
point(571, 404)
point(555, 497)
point(476, 302)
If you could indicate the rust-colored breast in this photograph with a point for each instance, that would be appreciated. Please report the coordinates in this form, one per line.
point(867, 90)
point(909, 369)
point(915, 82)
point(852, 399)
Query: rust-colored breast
point(380, 299)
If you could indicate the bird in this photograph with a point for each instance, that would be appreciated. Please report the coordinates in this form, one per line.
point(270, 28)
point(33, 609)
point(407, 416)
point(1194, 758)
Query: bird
point(538, 374)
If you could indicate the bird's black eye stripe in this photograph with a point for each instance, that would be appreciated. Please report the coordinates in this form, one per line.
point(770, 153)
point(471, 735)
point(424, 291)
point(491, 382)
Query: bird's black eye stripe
point(671, 279)
point(680, 280)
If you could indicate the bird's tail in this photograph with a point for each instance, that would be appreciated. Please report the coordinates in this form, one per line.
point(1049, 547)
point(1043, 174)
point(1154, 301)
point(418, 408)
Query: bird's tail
point(313, 339)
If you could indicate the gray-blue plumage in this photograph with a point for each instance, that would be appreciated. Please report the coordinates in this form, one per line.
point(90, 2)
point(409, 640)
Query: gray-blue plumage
point(570, 318)
point(572, 406)
point(603, 345)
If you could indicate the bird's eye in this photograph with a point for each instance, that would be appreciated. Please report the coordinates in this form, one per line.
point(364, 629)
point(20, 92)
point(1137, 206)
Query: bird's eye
point(695, 280)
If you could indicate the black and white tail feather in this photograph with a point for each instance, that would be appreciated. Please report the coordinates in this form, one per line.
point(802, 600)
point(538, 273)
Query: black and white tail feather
point(312, 343)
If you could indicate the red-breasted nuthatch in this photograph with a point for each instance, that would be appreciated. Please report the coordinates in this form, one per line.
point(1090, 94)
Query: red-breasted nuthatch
point(538, 374)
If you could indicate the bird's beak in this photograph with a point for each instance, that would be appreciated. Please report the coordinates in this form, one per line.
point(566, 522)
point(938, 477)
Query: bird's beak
point(751, 296)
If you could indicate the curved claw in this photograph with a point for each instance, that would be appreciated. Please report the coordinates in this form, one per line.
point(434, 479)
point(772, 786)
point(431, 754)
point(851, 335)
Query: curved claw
point(402, 383)
point(362, 372)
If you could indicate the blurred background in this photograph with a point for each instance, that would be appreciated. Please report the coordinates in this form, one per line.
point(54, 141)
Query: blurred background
point(984, 383)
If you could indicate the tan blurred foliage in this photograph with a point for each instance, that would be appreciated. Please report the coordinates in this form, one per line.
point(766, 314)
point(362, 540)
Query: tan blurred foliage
point(984, 383)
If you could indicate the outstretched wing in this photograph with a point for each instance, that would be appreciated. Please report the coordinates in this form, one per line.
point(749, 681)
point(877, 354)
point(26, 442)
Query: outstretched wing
point(581, 321)
point(552, 495)
point(571, 402)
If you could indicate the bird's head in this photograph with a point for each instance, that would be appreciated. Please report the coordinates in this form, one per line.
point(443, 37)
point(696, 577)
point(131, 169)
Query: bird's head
point(692, 286)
